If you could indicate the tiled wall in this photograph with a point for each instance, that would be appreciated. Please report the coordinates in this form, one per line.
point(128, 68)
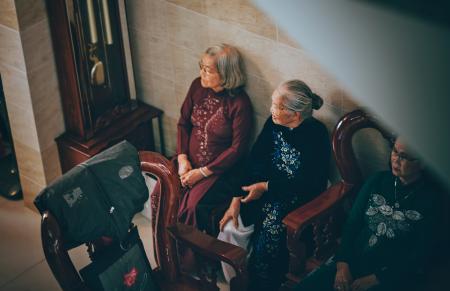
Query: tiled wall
point(168, 38)
point(31, 89)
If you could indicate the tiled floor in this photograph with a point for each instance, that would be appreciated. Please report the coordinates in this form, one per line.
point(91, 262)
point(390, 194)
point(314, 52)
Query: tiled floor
point(22, 263)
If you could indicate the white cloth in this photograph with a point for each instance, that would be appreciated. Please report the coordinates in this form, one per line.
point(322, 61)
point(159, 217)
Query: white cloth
point(238, 237)
point(150, 181)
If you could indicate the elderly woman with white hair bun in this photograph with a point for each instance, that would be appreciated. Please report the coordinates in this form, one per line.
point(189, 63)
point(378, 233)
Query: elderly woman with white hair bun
point(213, 135)
point(288, 166)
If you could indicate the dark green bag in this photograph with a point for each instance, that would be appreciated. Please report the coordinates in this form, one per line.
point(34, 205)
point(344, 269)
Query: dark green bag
point(98, 197)
point(121, 266)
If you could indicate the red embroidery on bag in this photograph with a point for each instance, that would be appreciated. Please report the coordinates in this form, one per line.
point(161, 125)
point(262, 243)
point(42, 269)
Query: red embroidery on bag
point(130, 278)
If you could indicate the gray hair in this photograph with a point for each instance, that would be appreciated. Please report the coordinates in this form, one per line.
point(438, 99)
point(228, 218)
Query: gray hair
point(229, 65)
point(298, 97)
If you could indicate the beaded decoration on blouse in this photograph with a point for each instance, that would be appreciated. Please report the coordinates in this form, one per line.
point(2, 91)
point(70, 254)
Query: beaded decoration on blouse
point(204, 115)
point(285, 157)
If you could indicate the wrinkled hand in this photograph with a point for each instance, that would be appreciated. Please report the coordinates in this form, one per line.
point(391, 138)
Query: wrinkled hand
point(255, 191)
point(343, 278)
point(231, 214)
point(190, 178)
point(365, 283)
point(184, 165)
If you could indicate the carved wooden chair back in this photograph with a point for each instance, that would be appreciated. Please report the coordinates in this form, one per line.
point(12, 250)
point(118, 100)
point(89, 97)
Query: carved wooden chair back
point(166, 233)
point(326, 214)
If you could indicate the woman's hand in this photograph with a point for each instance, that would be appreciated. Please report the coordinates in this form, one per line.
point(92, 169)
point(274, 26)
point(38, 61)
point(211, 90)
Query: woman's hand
point(365, 283)
point(190, 178)
point(343, 279)
point(184, 165)
point(255, 191)
point(231, 213)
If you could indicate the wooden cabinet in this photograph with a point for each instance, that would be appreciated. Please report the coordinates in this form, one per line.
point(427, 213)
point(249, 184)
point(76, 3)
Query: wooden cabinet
point(136, 127)
point(90, 40)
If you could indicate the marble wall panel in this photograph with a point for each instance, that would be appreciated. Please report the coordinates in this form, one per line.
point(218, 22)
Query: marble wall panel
point(50, 160)
point(11, 48)
point(139, 45)
point(37, 45)
point(137, 14)
point(242, 13)
point(30, 189)
point(46, 104)
point(31, 90)
point(258, 54)
point(8, 15)
point(23, 126)
point(371, 151)
point(15, 87)
point(260, 92)
point(222, 32)
point(329, 115)
point(30, 12)
point(164, 96)
point(187, 28)
point(284, 38)
point(185, 65)
point(158, 18)
point(194, 5)
point(30, 163)
point(160, 57)
point(170, 135)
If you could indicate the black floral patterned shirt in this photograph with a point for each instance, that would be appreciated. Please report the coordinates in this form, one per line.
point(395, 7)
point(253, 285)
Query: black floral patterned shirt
point(390, 231)
point(295, 161)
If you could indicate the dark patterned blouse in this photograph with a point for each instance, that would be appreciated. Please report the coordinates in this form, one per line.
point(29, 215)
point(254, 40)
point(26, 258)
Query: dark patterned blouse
point(390, 229)
point(294, 161)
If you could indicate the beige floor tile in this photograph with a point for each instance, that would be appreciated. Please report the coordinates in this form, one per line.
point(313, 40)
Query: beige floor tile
point(22, 262)
point(36, 278)
point(20, 244)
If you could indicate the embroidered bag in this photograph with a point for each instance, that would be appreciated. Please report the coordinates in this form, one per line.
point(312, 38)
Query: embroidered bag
point(121, 266)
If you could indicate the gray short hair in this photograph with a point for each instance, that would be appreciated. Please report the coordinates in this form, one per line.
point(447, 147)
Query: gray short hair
point(229, 65)
point(298, 97)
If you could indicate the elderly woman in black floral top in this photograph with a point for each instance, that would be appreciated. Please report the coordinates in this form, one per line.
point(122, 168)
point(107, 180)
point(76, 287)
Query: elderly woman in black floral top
point(288, 166)
point(389, 233)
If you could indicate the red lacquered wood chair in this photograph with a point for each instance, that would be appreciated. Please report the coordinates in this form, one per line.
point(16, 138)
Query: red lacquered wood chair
point(326, 213)
point(166, 234)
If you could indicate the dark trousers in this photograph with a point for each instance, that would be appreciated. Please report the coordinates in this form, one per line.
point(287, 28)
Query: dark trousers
point(211, 208)
point(322, 279)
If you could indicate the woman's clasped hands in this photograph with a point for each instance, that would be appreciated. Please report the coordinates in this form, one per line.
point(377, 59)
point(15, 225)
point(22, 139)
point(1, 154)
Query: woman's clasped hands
point(344, 281)
point(188, 176)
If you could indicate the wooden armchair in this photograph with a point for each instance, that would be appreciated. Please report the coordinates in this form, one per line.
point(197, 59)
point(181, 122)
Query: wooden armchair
point(326, 213)
point(166, 233)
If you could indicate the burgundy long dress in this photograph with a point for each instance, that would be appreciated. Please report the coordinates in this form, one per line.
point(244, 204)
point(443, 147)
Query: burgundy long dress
point(213, 130)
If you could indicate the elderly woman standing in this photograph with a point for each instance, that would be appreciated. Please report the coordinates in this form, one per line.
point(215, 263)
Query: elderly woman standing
point(288, 167)
point(213, 133)
point(388, 234)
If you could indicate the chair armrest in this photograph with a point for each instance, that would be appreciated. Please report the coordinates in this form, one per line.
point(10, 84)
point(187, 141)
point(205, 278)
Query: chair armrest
point(210, 247)
point(297, 220)
point(57, 256)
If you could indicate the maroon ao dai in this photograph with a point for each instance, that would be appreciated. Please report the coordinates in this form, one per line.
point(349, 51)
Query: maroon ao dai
point(213, 130)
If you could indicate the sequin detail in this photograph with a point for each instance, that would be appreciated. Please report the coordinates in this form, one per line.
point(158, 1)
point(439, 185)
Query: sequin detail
point(285, 157)
point(204, 116)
